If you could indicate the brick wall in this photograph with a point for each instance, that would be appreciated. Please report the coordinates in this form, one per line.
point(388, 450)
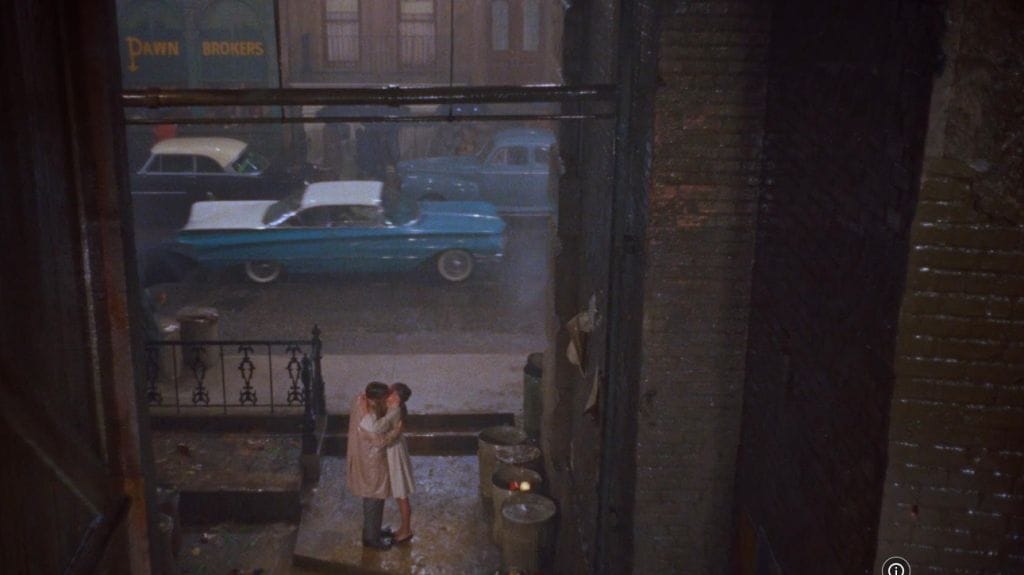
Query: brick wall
point(846, 117)
point(708, 132)
point(954, 498)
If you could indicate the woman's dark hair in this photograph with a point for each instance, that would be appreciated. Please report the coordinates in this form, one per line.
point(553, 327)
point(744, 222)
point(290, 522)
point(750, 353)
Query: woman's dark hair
point(404, 393)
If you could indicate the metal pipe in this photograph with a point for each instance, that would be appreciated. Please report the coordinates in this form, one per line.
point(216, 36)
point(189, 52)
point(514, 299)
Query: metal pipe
point(425, 118)
point(387, 96)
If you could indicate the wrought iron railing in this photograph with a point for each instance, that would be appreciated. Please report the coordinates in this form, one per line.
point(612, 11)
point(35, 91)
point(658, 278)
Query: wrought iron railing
point(232, 375)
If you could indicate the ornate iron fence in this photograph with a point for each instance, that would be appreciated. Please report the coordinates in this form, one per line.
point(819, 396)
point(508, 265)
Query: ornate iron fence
point(201, 374)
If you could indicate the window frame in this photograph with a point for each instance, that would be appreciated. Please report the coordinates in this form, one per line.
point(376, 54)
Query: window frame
point(418, 66)
point(357, 61)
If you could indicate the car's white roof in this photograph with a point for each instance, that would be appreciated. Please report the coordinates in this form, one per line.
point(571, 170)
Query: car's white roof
point(348, 193)
point(222, 150)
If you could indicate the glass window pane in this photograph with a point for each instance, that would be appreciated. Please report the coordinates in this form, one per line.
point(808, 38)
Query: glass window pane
point(341, 27)
point(531, 25)
point(339, 43)
point(417, 33)
point(175, 164)
point(206, 165)
point(499, 25)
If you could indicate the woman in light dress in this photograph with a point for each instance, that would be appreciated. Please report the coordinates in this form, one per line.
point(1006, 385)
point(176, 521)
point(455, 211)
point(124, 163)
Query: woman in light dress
point(400, 467)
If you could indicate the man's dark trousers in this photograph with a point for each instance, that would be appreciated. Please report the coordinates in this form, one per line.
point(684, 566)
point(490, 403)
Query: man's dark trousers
point(373, 516)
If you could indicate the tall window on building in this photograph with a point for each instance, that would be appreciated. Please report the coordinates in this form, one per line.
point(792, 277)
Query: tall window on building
point(341, 19)
point(531, 25)
point(417, 32)
point(499, 25)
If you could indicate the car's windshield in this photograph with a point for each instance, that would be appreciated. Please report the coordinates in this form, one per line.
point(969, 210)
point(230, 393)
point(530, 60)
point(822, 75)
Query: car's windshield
point(281, 210)
point(250, 162)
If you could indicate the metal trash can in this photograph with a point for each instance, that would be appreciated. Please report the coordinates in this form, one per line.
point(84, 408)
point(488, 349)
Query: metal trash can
point(486, 443)
point(500, 491)
point(170, 330)
point(198, 324)
point(165, 529)
point(520, 455)
point(533, 405)
point(526, 532)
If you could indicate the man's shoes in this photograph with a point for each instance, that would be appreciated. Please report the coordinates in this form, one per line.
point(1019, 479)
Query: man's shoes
point(387, 533)
point(380, 545)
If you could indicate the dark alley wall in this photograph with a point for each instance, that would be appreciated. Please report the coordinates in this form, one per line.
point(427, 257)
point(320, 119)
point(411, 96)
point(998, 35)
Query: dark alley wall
point(709, 114)
point(68, 424)
point(847, 104)
point(954, 499)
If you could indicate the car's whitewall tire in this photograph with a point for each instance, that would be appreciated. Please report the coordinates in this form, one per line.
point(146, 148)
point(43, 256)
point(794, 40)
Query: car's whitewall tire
point(263, 271)
point(455, 265)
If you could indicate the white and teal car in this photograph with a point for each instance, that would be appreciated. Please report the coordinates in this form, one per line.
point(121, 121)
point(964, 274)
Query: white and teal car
point(343, 227)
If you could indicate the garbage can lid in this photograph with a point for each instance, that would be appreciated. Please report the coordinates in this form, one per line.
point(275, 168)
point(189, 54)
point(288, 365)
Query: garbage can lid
point(527, 508)
point(534, 365)
point(198, 313)
point(508, 474)
point(516, 454)
point(168, 326)
point(503, 435)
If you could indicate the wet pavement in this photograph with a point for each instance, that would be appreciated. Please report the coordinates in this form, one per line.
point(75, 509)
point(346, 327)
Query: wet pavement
point(451, 526)
point(238, 549)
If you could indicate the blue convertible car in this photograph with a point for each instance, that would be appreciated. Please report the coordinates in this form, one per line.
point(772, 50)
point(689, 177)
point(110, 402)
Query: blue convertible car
point(343, 227)
point(510, 171)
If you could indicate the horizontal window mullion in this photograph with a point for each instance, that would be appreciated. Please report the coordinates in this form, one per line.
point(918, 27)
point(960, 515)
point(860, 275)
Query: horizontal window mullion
point(424, 118)
point(387, 96)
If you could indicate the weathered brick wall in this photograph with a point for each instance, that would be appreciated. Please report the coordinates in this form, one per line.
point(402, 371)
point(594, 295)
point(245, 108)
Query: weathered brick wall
point(846, 118)
point(708, 133)
point(954, 498)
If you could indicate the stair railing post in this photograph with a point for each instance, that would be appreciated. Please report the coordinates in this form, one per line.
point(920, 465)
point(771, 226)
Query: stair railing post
point(318, 375)
point(310, 459)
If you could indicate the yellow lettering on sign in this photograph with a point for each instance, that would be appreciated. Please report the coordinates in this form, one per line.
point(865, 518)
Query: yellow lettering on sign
point(134, 51)
point(237, 49)
point(138, 47)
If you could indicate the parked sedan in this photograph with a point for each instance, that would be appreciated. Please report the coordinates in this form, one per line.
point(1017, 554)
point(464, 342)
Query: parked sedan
point(510, 171)
point(182, 171)
point(343, 227)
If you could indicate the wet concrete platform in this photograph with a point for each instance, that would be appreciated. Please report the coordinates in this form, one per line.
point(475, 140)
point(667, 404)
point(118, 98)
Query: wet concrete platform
point(451, 525)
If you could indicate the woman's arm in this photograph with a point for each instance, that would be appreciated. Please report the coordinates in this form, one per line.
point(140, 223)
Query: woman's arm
point(376, 430)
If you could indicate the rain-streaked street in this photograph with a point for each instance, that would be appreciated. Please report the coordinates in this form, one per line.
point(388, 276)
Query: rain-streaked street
point(500, 309)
